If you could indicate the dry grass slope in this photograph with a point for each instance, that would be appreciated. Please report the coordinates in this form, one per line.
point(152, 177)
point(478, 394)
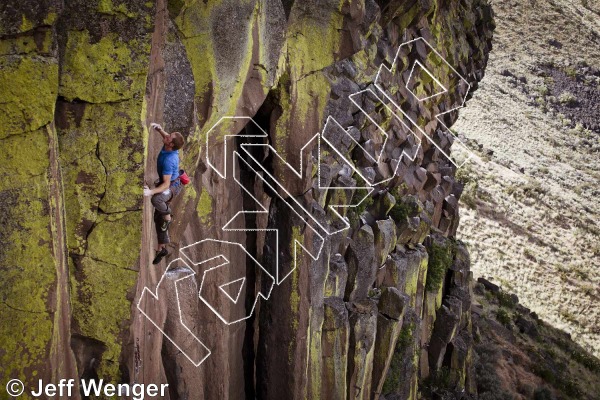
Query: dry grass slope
point(530, 207)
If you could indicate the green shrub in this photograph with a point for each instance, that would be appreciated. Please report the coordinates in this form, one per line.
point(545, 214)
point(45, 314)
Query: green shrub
point(394, 375)
point(543, 393)
point(438, 382)
point(489, 385)
point(543, 90)
point(399, 212)
point(569, 387)
point(587, 360)
point(567, 98)
point(359, 194)
point(571, 72)
point(469, 195)
point(503, 317)
point(440, 259)
point(544, 373)
point(505, 300)
point(403, 207)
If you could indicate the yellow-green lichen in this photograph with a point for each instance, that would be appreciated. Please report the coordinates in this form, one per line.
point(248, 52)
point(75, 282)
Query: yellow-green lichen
point(26, 24)
point(315, 355)
point(27, 44)
point(28, 275)
point(111, 67)
point(23, 157)
point(29, 87)
point(282, 125)
point(311, 94)
point(189, 194)
point(102, 163)
point(204, 207)
point(200, 53)
point(296, 251)
point(121, 150)
point(107, 7)
point(101, 309)
point(114, 237)
point(84, 184)
point(312, 45)
point(102, 279)
point(51, 18)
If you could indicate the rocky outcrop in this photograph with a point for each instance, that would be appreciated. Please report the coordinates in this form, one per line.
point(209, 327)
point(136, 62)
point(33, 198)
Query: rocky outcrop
point(382, 304)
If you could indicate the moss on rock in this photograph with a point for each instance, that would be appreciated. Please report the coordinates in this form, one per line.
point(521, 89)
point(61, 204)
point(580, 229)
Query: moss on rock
point(101, 309)
point(440, 259)
point(113, 238)
point(204, 207)
point(28, 265)
point(109, 66)
point(29, 88)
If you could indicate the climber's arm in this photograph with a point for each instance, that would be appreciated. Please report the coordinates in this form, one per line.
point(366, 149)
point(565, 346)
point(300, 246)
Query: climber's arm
point(166, 182)
point(160, 130)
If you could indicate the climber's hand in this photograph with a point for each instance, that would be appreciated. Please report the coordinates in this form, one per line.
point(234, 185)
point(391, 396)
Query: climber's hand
point(156, 126)
point(147, 191)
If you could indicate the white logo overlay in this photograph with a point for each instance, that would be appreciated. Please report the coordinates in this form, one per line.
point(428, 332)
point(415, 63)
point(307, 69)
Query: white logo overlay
point(206, 257)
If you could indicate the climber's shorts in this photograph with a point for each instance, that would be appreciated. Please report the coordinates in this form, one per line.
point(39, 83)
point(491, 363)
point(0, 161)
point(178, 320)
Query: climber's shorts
point(161, 201)
point(162, 207)
point(162, 236)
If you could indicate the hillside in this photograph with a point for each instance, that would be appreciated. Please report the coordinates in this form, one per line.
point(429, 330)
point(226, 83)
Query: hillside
point(530, 210)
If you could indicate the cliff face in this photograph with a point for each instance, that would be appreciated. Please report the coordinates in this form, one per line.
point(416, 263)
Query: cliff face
point(363, 312)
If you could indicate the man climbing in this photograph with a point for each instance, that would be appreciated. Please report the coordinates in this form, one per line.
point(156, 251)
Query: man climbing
point(167, 187)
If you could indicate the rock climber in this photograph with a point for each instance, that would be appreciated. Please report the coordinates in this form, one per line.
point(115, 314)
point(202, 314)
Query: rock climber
point(167, 186)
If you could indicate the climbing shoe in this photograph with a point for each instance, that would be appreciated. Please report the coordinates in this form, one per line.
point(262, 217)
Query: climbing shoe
point(159, 255)
point(165, 224)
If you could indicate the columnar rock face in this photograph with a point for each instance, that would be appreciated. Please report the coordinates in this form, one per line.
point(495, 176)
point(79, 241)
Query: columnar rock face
point(383, 304)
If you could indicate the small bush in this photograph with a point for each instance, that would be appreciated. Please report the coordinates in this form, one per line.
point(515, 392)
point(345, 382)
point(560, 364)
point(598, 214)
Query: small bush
point(438, 382)
point(399, 212)
point(569, 387)
point(567, 98)
point(489, 385)
point(394, 376)
point(440, 259)
point(503, 317)
point(571, 72)
point(359, 194)
point(543, 90)
point(469, 195)
point(544, 373)
point(505, 300)
point(543, 393)
point(587, 360)
point(533, 189)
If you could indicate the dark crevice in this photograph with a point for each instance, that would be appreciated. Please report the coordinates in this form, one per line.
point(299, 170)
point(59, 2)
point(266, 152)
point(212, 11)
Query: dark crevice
point(248, 179)
point(88, 354)
point(105, 170)
point(388, 317)
point(447, 362)
point(102, 261)
point(85, 238)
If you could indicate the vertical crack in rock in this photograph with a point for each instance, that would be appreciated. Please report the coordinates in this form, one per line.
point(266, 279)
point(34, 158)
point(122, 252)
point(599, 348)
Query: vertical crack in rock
point(62, 359)
point(97, 154)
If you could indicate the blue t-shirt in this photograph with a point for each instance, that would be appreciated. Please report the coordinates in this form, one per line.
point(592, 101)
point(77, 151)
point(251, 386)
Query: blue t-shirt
point(167, 163)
